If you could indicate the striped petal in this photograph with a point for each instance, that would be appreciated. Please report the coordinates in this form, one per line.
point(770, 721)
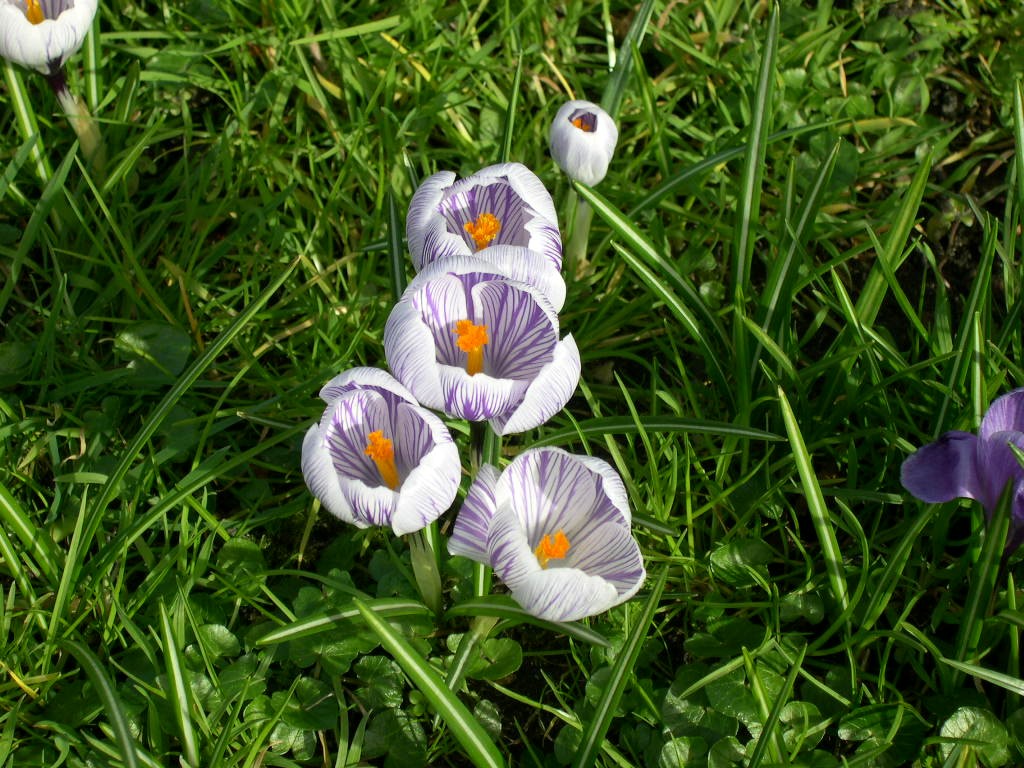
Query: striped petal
point(443, 214)
point(364, 378)
point(469, 537)
point(409, 349)
point(547, 394)
point(322, 479)
point(431, 484)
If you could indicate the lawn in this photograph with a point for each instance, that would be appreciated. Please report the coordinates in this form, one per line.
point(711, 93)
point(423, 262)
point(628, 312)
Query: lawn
point(803, 265)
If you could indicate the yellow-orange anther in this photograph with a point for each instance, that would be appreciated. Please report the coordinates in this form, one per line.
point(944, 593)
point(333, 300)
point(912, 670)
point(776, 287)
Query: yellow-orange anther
point(587, 126)
point(483, 230)
point(383, 454)
point(552, 549)
point(34, 12)
point(472, 338)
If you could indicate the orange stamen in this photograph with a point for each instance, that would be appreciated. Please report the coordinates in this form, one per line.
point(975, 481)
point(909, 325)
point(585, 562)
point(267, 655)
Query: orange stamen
point(583, 125)
point(472, 339)
point(552, 549)
point(383, 454)
point(483, 230)
point(34, 12)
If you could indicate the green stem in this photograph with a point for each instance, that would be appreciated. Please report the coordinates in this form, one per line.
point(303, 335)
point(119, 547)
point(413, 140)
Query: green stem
point(485, 448)
point(576, 264)
point(425, 566)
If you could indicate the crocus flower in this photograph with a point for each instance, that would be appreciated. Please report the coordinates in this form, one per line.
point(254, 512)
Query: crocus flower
point(377, 457)
point(477, 343)
point(960, 465)
point(556, 529)
point(42, 34)
point(499, 205)
point(582, 141)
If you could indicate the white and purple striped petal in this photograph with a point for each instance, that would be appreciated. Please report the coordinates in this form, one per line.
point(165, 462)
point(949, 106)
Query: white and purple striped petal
point(350, 484)
point(526, 373)
point(548, 492)
point(441, 209)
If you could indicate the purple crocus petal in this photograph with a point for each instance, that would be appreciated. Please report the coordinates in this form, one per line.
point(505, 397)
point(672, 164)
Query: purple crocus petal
point(611, 483)
point(469, 537)
point(528, 267)
point(523, 329)
point(409, 349)
point(371, 505)
point(423, 442)
point(344, 429)
point(527, 185)
point(364, 378)
point(944, 470)
point(1005, 414)
point(321, 477)
point(425, 230)
point(1000, 466)
point(477, 398)
point(547, 394)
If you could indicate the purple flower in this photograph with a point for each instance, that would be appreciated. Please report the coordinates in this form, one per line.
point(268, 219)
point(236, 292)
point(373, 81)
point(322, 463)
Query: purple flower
point(582, 141)
point(556, 529)
point(42, 34)
point(499, 205)
point(960, 465)
point(377, 457)
point(473, 341)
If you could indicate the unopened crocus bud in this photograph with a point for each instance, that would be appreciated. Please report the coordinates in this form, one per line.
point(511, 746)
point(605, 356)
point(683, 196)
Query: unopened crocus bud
point(582, 139)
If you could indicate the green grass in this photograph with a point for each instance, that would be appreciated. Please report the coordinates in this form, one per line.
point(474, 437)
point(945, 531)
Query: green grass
point(804, 263)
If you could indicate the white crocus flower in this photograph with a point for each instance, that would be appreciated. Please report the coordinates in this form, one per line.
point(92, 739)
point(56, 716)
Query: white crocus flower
point(556, 529)
point(582, 139)
point(43, 34)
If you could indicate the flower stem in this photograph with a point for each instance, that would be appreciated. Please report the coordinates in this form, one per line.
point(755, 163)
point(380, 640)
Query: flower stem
point(576, 264)
point(82, 121)
point(484, 448)
point(425, 566)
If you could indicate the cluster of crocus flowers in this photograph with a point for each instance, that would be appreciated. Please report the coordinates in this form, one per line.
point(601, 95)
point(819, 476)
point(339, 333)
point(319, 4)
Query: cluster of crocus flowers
point(476, 336)
point(961, 465)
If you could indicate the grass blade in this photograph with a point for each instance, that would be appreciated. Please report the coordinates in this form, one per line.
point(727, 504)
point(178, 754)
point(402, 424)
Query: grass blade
point(312, 625)
point(870, 299)
point(37, 544)
point(753, 165)
point(604, 711)
point(479, 748)
point(823, 525)
point(510, 113)
point(983, 579)
point(615, 89)
point(111, 701)
point(179, 690)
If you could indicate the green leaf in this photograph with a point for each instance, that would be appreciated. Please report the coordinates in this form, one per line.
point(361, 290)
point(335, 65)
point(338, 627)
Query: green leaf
point(179, 693)
point(976, 731)
point(479, 748)
point(383, 683)
point(398, 738)
point(824, 525)
point(156, 352)
point(626, 425)
point(741, 562)
point(504, 607)
point(15, 362)
point(682, 751)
